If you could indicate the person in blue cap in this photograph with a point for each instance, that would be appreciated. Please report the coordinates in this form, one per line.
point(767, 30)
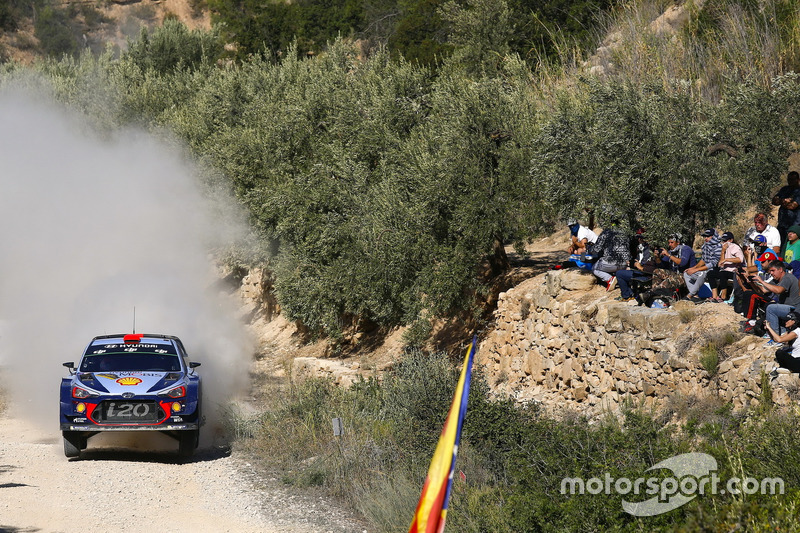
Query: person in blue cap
point(582, 238)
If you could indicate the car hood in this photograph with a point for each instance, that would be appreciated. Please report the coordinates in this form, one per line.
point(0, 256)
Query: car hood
point(136, 382)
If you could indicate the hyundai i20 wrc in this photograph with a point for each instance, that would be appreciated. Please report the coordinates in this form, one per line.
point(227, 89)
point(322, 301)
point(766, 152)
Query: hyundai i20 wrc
point(134, 382)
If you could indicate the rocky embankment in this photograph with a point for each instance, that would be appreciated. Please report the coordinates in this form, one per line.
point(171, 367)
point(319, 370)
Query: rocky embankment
point(563, 341)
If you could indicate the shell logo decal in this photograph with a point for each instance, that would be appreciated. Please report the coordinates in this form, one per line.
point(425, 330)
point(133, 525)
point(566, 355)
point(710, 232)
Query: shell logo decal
point(129, 381)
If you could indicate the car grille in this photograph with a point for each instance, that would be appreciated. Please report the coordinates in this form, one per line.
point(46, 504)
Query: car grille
point(126, 411)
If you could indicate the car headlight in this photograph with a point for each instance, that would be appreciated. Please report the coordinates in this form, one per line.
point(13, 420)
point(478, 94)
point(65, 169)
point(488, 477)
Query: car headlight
point(78, 392)
point(177, 392)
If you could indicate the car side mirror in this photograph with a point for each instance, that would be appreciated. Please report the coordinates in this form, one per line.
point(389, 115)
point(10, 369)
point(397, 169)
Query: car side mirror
point(193, 365)
point(71, 366)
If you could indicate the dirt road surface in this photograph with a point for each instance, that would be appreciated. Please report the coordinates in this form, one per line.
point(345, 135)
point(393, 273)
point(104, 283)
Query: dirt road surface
point(115, 488)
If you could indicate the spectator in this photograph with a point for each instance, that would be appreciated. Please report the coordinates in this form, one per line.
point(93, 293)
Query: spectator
point(678, 257)
point(731, 257)
point(785, 286)
point(643, 266)
point(695, 276)
point(787, 356)
point(614, 253)
point(581, 237)
point(760, 227)
point(751, 297)
point(787, 198)
point(792, 250)
point(672, 263)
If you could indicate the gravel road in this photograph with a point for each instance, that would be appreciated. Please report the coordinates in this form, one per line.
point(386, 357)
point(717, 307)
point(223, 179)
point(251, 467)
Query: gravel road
point(121, 489)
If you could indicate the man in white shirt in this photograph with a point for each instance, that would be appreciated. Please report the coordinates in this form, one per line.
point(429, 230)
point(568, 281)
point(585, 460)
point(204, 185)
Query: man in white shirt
point(760, 227)
point(581, 237)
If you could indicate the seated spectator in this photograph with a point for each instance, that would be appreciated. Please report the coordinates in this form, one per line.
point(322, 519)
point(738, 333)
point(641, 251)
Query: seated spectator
point(753, 251)
point(785, 286)
point(672, 262)
point(789, 212)
point(643, 266)
point(760, 227)
point(751, 298)
point(581, 237)
point(731, 256)
point(792, 250)
point(787, 356)
point(695, 276)
point(614, 253)
point(767, 257)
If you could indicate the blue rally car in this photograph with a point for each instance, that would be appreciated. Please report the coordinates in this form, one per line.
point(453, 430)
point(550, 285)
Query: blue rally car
point(134, 382)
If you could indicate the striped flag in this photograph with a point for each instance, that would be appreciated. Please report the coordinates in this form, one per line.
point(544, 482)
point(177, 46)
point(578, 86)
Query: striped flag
point(432, 506)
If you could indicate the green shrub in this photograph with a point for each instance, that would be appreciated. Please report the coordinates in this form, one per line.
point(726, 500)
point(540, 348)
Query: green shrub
point(172, 46)
point(55, 32)
point(512, 459)
point(709, 359)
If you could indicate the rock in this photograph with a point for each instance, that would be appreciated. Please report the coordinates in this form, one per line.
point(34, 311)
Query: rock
point(577, 280)
point(677, 363)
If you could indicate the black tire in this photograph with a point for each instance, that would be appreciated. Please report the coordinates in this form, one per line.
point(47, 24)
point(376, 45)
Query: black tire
point(187, 442)
point(73, 444)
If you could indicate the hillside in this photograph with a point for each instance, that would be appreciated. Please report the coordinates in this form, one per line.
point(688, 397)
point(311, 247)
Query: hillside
point(94, 25)
point(375, 212)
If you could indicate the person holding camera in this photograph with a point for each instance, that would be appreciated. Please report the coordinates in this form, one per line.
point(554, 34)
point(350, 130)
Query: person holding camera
point(672, 263)
point(785, 286)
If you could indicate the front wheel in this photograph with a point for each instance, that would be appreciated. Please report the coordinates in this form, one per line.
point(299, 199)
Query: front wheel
point(73, 444)
point(188, 441)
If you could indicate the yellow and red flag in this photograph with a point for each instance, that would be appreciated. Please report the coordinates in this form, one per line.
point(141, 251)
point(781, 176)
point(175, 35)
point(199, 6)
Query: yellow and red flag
point(432, 506)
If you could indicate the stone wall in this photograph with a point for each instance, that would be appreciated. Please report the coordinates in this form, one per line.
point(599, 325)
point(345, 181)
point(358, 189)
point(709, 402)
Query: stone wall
point(563, 341)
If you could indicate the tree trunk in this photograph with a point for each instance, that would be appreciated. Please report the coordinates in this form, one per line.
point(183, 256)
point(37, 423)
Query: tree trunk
point(499, 260)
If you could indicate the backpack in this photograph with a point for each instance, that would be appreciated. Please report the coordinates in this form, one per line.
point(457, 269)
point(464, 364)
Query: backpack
point(759, 329)
point(659, 298)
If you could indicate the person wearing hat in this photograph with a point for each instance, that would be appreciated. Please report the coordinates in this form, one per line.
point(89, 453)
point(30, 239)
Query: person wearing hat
point(695, 276)
point(789, 211)
point(792, 250)
point(787, 356)
point(581, 236)
point(731, 256)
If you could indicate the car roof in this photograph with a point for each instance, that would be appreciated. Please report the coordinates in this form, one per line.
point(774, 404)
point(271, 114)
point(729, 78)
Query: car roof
point(148, 338)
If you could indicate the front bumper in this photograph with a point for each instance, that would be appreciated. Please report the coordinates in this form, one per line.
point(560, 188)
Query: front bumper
point(163, 427)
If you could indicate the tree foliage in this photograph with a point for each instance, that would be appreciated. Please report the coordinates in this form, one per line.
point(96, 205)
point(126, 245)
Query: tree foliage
point(658, 159)
point(55, 32)
point(384, 185)
point(172, 46)
point(413, 29)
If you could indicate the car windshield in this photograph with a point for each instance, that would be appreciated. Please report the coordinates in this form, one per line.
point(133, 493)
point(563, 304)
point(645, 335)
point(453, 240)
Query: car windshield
point(130, 358)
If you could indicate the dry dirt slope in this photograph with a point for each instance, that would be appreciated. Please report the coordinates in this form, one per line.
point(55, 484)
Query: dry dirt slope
point(133, 491)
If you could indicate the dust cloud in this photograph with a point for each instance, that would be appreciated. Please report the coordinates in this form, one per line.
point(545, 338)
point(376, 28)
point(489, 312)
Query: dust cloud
point(92, 225)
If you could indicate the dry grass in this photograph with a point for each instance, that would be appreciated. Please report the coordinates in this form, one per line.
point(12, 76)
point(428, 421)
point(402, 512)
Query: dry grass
point(719, 45)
